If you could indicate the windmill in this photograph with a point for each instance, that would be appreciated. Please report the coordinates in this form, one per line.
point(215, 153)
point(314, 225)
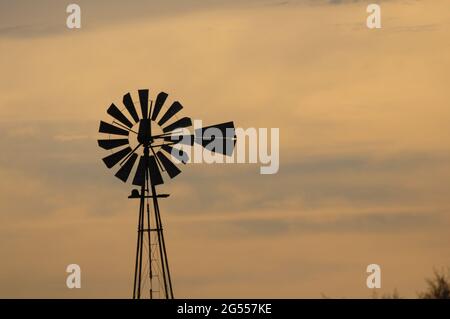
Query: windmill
point(144, 148)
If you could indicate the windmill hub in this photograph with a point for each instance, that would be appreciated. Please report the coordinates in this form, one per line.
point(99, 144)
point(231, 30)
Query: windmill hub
point(144, 134)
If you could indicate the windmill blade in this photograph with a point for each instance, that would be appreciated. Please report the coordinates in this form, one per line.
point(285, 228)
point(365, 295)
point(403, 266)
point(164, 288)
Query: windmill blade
point(143, 100)
point(139, 177)
point(115, 158)
point(128, 102)
point(219, 138)
point(170, 167)
point(160, 99)
point(153, 170)
point(155, 174)
point(173, 109)
point(181, 123)
point(230, 145)
point(225, 129)
point(111, 129)
point(125, 170)
point(118, 115)
point(110, 144)
point(177, 153)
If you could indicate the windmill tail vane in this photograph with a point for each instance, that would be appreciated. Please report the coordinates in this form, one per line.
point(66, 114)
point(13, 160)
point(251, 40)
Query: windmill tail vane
point(143, 147)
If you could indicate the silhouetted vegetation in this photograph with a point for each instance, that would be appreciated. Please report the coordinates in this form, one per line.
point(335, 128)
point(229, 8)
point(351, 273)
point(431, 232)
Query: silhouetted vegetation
point(394, 295)
point(438, 286)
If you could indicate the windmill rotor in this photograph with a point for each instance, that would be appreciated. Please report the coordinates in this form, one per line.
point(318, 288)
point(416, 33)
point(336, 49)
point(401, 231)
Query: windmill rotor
point(124, 127)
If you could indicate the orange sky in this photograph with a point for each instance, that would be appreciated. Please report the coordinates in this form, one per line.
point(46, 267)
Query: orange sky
point(364, 146)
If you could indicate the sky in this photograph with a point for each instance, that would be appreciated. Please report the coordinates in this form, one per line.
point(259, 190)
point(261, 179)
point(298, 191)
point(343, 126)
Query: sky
point(364, 146)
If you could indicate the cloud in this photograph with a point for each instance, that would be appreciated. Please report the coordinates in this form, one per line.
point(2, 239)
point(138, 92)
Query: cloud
point(414, 28)
point(27, 19)
point(282, 223)
point(378, 222)
point(29, 31)
point(30, 19)
point(63, 158)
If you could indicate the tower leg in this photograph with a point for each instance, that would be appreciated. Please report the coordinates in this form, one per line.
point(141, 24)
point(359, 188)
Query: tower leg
point(138, 263)
point(162, 247)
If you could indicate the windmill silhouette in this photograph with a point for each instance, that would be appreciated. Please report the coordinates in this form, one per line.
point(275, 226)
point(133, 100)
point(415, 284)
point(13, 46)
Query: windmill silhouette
point(149, 141)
